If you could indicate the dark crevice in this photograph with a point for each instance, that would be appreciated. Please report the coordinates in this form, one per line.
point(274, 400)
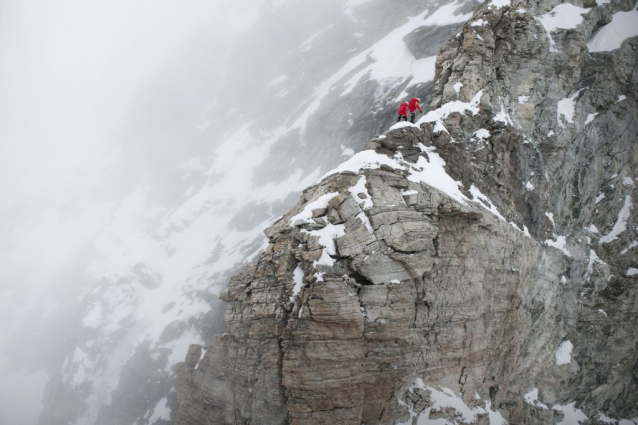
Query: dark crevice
point(360, 279)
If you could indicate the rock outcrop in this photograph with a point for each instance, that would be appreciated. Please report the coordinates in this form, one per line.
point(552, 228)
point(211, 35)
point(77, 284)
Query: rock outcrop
point(479, 267)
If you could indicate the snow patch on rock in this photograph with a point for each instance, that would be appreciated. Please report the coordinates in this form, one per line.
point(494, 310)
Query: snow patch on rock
point(567, 109)
point(305, 216)
point(621, 223)
point(572, 415)
point(563, 16)
point(532, 398)
point(563, 354)
point(485, 202)
point(433, 173)
point(560, 243)
point(623, 25)
point(442, 398)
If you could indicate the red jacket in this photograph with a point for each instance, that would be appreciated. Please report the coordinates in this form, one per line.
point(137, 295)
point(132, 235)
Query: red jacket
point(403, 109)
point(414, 105)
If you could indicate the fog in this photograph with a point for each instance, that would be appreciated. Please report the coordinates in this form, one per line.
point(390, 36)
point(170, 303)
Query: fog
point(144, 146)
point(70, 72)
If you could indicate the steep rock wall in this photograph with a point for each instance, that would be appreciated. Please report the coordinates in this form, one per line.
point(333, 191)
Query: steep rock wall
point(392, 294)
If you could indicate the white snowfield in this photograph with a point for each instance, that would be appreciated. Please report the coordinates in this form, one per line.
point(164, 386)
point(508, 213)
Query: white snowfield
point(622, 26)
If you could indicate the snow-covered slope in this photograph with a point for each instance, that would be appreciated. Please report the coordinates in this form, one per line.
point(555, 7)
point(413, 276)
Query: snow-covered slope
point(217, 145)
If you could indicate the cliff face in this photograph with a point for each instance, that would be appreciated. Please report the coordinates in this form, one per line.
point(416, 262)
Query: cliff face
point(479, 267)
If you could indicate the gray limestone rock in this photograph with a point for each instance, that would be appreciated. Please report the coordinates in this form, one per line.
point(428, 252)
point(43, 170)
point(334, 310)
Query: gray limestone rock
point(509, 292)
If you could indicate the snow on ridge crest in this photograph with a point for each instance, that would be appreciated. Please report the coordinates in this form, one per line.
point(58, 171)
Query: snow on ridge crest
point(438, 115)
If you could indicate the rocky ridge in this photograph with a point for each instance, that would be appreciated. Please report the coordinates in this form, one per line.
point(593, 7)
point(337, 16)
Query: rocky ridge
point(477, 267)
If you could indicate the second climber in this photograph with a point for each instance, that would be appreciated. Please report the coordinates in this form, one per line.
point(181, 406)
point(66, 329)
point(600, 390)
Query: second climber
point(415, 103)
point(403, 112)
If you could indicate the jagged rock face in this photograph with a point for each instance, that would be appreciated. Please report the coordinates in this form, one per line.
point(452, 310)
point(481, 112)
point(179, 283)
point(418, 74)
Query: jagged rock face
point(421, 286)
point(388, 290)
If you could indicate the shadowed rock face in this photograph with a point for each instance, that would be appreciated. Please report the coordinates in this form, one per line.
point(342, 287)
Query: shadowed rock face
point(387, 290)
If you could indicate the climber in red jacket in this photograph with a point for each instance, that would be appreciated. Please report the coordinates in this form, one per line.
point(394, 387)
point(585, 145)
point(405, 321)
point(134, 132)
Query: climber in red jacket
point(403, 112)
point(415, 103)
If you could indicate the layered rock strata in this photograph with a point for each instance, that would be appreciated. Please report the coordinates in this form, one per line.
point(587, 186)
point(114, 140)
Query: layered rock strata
point(479, 267)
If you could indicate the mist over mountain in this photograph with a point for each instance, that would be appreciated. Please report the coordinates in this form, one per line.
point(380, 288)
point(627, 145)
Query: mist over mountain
point(146, 148)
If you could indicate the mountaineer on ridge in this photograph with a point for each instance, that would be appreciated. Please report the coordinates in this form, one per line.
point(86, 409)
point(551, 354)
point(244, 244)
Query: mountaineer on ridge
point(415, 103)
point(403, 112)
